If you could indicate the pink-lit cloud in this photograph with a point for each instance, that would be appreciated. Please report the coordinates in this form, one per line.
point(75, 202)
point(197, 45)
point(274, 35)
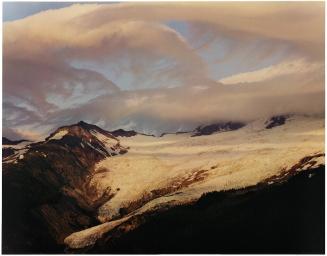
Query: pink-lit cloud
point(43, 87)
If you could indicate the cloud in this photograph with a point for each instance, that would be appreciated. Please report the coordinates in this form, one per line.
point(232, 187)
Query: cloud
point(299, 66)
point(300, 24)
point(169, 109)
point(10, 133)
point(62, 66)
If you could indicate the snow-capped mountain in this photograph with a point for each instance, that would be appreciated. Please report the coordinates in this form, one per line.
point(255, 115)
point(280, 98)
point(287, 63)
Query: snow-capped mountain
point(179, 168)
point(50, 179)
point(85, 184)
point(86, 135)
point(85, 140)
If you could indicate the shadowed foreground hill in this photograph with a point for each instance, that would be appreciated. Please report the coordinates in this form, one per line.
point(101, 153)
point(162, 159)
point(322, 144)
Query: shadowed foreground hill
point(284, 218)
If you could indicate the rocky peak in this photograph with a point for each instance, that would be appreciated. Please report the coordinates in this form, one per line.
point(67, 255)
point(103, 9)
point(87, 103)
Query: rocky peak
point(85, 137)
point(80, 129)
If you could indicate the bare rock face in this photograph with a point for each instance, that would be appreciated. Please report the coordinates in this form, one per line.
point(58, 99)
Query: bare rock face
point(123, 133)
point(276, 121)
point(46, 194)
point(218, 127)
point(129, 133)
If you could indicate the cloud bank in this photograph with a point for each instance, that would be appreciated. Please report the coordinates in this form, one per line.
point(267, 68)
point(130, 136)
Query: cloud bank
point(125, 65)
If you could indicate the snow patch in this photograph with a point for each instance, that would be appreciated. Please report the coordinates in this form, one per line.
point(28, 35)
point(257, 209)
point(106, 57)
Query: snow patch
point(100, 151)
point(59, 135)
point(110, 143)
point(19, 154)
point(18, 146)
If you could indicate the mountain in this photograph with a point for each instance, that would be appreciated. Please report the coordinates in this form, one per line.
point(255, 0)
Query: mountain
point(159, 173)
point(84, 189)
point(88, 137)
point(47, 193)
point(217, 127)
point(6, 141)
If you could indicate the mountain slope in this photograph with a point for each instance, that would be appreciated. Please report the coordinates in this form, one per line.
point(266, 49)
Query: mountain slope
point(11, 148)
point(83, 186)
point(46, 190)
point(160, 172)
point(264, 220)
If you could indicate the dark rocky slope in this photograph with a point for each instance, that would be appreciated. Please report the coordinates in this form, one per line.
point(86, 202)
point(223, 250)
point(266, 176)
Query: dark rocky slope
point(287, 217)
point(7, 152)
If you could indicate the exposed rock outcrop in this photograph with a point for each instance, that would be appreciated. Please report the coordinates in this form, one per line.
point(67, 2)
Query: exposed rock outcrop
point(218, 127)
point(276, 121)
point(123, 133)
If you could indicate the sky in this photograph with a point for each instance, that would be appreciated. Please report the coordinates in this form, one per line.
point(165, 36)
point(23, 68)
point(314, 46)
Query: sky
point(158, 67)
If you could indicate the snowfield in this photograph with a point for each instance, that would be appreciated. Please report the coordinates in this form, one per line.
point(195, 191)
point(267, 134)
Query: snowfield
point(177, 168)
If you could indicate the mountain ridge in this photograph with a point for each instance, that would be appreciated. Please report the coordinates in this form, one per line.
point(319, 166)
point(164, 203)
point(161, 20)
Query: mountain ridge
point(6, 141)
